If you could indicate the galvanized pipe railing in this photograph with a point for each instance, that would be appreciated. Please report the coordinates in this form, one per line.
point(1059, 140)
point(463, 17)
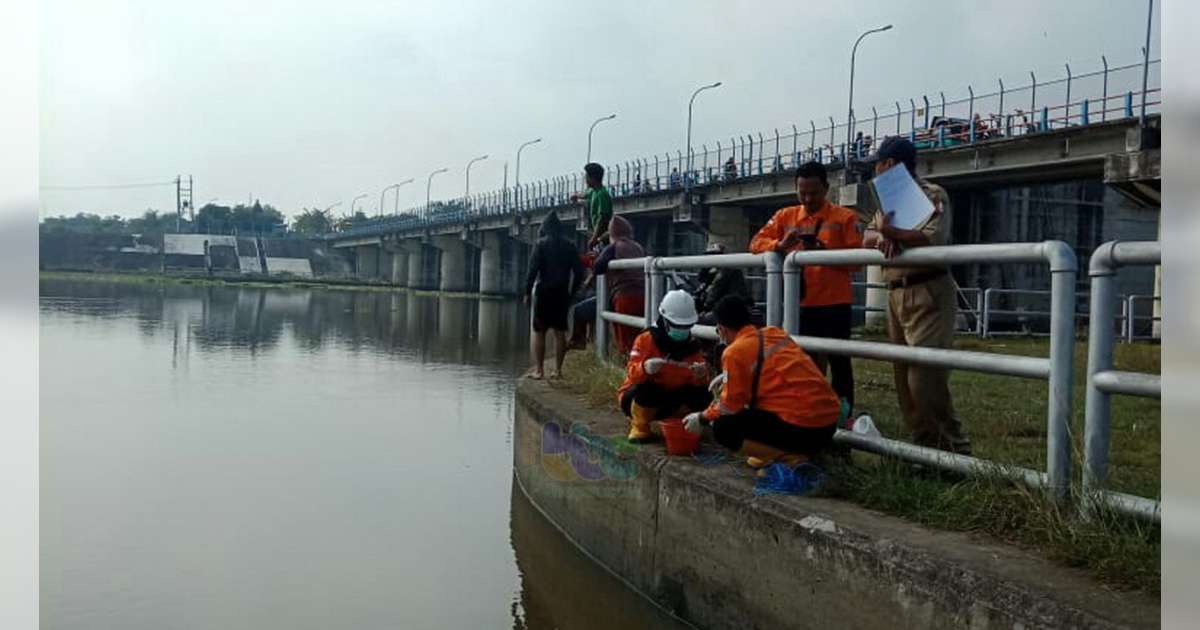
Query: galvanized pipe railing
point(1103, 380)
point(1056, 368)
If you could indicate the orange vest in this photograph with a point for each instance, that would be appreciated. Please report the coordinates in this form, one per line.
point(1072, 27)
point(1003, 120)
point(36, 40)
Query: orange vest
point(836, 228)
point(673, 375)
point(789, 383)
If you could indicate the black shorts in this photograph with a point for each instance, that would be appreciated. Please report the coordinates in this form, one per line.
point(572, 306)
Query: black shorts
point(768, 428)
point(550, 307)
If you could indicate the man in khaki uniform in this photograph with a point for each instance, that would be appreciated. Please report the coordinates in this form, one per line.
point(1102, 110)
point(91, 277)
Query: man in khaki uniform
point(921, 308)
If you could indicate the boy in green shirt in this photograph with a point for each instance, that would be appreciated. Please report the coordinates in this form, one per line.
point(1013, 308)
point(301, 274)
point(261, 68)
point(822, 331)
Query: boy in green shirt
point(599, 203)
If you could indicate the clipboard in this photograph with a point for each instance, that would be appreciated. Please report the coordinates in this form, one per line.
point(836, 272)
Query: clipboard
point(901, 198)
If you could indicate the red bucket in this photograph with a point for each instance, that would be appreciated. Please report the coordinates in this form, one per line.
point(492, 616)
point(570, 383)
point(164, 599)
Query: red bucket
point(679, 440)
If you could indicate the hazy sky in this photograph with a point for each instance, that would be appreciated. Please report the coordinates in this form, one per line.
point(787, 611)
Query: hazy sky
point(309, 103)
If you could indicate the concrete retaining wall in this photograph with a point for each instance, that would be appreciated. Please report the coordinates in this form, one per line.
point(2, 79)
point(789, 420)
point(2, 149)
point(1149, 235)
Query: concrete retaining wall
point(696, 540)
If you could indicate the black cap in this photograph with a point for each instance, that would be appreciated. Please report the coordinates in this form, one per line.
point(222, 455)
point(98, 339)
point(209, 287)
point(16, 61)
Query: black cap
point(897, 148)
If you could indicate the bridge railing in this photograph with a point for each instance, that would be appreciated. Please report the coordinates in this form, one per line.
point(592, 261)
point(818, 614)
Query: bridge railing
point(930, 121)
point(783, 299)
point(1103, 381)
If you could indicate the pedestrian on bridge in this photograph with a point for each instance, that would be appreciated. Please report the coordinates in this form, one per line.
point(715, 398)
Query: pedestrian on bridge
point(555, 272)
point(921, 307)
point(825, 292)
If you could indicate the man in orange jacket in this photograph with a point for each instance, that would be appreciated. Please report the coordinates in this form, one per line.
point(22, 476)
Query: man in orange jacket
point(666, 374)
point(825, 292)
point(775, 405)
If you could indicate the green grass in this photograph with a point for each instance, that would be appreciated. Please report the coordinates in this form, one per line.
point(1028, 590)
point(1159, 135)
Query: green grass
point(1006, 420)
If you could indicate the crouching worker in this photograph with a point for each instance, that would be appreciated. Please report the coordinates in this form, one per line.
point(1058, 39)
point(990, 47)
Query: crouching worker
point(666, 376)
point(775, 404)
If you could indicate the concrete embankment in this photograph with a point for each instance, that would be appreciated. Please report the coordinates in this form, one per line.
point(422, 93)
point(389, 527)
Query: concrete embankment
point(693, 537)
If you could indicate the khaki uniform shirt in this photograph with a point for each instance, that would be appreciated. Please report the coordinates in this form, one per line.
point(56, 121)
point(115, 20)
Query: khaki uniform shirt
point(936, 227)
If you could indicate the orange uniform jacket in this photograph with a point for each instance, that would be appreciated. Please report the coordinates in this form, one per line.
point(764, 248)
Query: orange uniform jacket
point(789, 384)
point(670, 376)
point(839, 229)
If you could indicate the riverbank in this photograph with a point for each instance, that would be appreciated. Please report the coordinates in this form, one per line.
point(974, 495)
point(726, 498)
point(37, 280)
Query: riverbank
point(1006, 420)
point(253, 280)
point(690, 533)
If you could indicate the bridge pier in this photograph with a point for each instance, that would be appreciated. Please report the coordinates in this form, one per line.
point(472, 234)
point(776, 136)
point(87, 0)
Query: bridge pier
point(400, 267)
point(729, 226)
point(416, 266)
point(366, 261)
point(499, 272)
point(454, 263)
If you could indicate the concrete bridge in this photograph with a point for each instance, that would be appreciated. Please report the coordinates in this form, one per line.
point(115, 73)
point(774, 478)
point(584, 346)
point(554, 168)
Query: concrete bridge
point(485, 251)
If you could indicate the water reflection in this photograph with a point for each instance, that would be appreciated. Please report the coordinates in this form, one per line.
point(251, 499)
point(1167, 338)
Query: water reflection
point(562, 588)
point(255, 319)
point(245, 457)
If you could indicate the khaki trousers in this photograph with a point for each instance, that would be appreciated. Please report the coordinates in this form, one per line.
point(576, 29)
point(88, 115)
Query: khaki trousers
point(923, 315)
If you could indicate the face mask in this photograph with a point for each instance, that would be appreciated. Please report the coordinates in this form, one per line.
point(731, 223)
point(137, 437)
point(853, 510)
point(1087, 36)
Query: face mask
point(678, 334)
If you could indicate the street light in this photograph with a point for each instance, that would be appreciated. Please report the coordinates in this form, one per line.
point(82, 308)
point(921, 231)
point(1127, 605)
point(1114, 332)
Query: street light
point(687, 176)
point(396, 209)
point(354, 201)
point(517, 185)
point(428, 186)
point(332, 206)
point(592, 128)
point(467, 193)
point(853, 52)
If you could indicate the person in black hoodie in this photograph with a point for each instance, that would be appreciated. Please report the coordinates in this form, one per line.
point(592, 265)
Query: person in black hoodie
point(555, 272)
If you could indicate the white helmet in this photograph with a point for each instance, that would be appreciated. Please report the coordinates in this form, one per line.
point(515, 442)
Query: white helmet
point(678, 308)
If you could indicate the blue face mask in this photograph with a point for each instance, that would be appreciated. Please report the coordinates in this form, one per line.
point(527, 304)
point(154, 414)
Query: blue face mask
point(679, 334)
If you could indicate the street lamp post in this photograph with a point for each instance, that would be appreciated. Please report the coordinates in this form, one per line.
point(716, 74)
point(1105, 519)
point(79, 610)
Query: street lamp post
point(354, 201)
point(853, 53)
point(429, 186)
point(396, 200)
point(517, 177)
point(593, 128)
point(467, 193)
point(687, 176)
point(396, 208)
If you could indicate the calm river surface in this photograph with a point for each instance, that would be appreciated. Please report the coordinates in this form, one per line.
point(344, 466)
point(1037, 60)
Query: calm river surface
point(217, 457)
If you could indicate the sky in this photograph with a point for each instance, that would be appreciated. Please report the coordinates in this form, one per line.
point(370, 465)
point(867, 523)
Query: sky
point(307, 104)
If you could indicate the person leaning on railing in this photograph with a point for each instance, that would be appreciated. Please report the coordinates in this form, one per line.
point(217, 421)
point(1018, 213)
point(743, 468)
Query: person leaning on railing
point(825, 290)
point(921, 308)
point(625, 286)
point(599, 203)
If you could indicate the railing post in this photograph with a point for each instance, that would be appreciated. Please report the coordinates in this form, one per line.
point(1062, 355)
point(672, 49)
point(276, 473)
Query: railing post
point(1067, 115)
point(986, 310)
point(1063, 266)
point(971, 115)
point(979, 301)
point(1096, 432)
point(1130, 318)
point(791, 297)
point(657, 289)
point(773, 264)
point(1083, 112)
point(1129, 104)
point(601, 325)
point(1104, 90)
point(648, 292)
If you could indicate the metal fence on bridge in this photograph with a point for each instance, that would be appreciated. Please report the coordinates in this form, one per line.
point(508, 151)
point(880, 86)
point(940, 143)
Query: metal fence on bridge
point(783, 293)
point(1104, 95)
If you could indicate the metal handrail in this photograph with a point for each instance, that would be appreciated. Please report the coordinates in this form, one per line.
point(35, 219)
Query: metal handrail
point(783, 296)
point(1103, 381)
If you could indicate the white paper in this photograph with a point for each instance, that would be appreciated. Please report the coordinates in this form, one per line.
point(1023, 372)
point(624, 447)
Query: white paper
point(901, 197)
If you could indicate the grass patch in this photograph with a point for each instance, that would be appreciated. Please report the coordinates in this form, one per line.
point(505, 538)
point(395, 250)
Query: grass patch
point(1006, 420)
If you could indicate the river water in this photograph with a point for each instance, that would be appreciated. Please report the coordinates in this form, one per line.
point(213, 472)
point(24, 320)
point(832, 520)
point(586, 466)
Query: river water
point(218, 457)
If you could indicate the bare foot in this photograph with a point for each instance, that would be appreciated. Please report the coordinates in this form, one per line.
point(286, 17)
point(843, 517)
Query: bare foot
point(535, 375)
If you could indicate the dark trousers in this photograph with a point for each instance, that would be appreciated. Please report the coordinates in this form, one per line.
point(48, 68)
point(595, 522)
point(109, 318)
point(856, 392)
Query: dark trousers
point(767, 428)
point(666, 401)
point(832, 322)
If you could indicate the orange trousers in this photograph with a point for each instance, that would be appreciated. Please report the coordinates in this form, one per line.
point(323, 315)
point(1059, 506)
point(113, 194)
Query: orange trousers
point(627, 304)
